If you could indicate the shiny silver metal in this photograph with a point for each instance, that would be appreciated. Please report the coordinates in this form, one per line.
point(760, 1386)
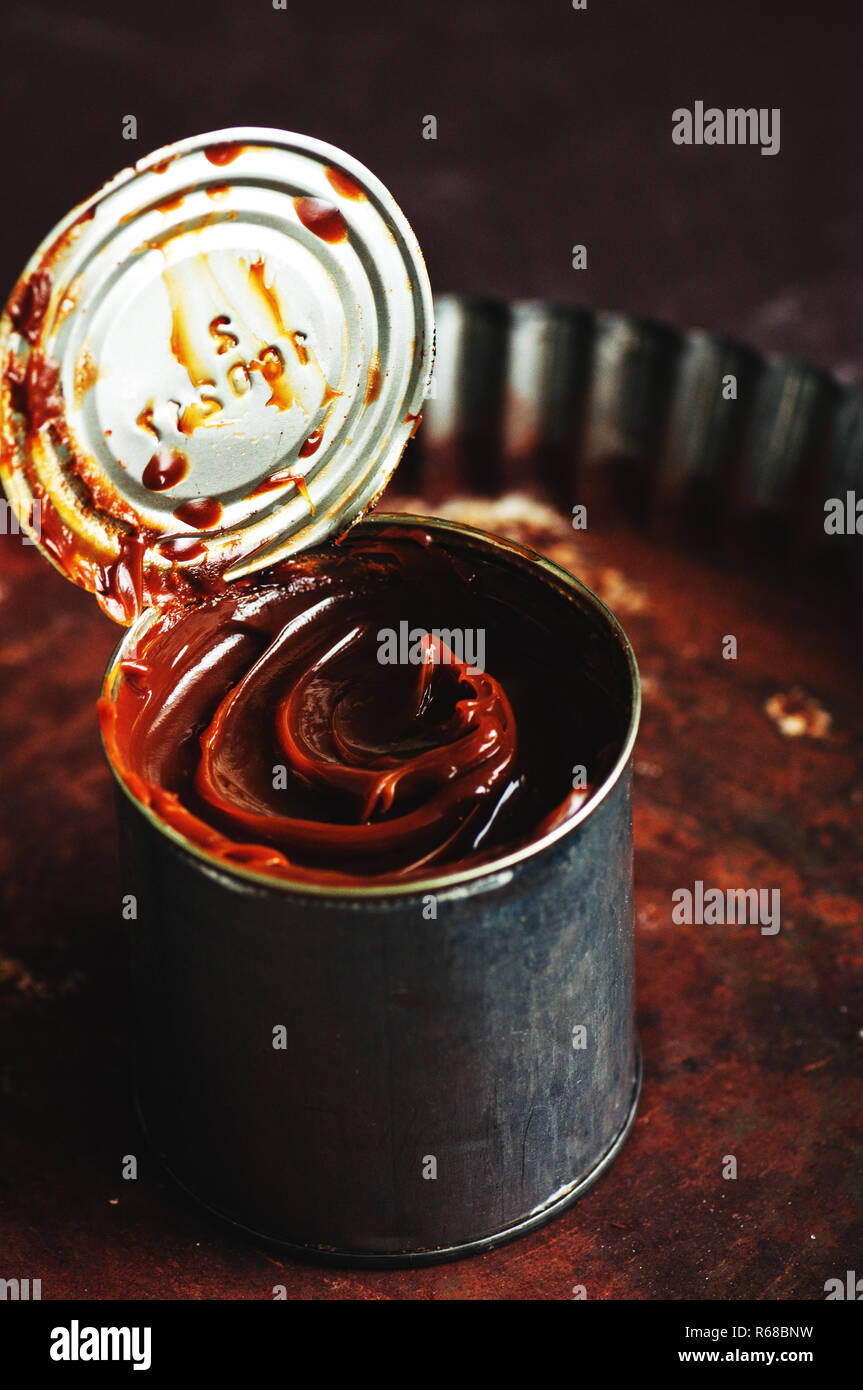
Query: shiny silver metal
point(251, 298)
point(410, 1037)
point(690, 431)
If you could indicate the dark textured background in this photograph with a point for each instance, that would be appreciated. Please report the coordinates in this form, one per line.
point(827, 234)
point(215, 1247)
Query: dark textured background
point(554, 128)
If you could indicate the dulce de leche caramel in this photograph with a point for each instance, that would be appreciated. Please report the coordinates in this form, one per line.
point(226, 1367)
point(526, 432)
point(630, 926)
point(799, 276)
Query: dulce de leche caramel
point(330, 721)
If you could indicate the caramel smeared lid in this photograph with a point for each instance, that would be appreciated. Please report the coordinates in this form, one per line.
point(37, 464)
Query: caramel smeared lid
point(211, 365)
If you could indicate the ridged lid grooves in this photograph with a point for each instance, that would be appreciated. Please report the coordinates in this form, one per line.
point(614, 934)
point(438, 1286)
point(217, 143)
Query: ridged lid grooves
point(212, 364)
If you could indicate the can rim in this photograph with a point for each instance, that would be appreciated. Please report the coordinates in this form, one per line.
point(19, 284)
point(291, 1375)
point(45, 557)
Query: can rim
point(455, 879)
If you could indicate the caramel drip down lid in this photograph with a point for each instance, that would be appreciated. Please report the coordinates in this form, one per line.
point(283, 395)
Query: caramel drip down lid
point(211, 365)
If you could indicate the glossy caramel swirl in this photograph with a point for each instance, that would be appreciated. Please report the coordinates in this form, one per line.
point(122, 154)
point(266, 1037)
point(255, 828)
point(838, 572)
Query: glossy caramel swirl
point(263, 724)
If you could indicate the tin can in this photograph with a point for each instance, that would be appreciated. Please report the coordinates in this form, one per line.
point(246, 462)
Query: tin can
point(446, 1080)
point(211, 366)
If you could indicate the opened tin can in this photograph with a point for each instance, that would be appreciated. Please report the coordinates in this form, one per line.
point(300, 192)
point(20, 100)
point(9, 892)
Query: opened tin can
point(210, 370)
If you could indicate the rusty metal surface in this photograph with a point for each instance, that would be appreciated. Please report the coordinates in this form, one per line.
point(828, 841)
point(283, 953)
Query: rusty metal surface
point(752, 1044)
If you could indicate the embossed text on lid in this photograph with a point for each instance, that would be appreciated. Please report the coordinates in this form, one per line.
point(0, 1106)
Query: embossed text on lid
point(213, 364)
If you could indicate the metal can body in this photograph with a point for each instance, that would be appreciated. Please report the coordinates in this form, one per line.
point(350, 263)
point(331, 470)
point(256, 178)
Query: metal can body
point(391, 1077)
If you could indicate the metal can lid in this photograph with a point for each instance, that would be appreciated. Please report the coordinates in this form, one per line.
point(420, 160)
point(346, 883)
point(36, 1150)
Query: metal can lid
point(212, 364)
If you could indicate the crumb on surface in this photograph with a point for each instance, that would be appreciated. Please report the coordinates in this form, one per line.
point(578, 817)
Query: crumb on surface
point(798, 715)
